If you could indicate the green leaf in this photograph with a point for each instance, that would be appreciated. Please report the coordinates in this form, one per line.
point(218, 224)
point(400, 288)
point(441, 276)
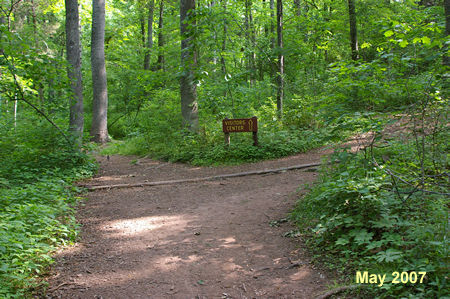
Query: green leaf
point(389, 255)
point(403, 43)
point(416, 40)
point(389, 33)
point(342, 241)
point(363, 237)
point(426, 40)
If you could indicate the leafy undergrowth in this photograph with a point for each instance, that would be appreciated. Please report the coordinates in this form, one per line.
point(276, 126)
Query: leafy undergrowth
point(383, 210)
point(207, 148)
point(37, 204)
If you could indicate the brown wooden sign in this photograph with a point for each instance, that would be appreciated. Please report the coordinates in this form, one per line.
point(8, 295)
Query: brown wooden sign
point(240, 125)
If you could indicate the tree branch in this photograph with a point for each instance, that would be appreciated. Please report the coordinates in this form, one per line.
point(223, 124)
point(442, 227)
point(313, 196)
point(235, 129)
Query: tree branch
point(196, 180)
point(416, 189)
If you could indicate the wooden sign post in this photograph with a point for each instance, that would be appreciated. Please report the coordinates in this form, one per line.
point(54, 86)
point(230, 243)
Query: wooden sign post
point(240, 125)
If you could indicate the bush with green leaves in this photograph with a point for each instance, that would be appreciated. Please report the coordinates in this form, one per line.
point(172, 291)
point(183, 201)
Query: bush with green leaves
point(361, 217)
point(37, 202)
point(157, 132)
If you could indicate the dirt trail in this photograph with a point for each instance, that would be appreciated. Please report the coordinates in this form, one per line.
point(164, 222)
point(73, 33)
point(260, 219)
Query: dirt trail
point(197, 240)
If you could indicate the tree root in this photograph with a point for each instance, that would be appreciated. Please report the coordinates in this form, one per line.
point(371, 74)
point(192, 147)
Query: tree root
point(338, 290)
point(195, 180)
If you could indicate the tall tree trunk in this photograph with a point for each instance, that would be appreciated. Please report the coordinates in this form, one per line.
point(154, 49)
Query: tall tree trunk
point(149, 45)
point(99, 129)
point(327, 17)
point(15, 113)
point(446, 58)
point(142, 23)
point(250, 39)
point(272, 26)
point(2, 21)
point(273, 65)
point(280, 76)
point(261, 61)
point(266, 26)
point(428, 3)
point(33, 16)
point(297, 8)
point(73, 48)
point(353, 31)
point(188, 89)
point(224, 41)
point(160, 64)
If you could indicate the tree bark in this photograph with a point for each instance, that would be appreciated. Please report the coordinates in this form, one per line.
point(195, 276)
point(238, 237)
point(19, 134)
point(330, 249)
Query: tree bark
point(446, 58)
point(99, 129)
point(273, 65)
point(2, 21)
point(353, 30)
point(280, 75)
point(73, 48)
point(250, 39)
point(142, 23)
point(272, 27)
point(428, 3)
point(224, 40)
point(297, 8)
point(160, 63)
point(188, 89)
point(33, 17)
point(149, 44)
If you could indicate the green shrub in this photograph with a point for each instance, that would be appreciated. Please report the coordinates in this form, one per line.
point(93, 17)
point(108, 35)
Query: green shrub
point(36, 202)
point(363, 219)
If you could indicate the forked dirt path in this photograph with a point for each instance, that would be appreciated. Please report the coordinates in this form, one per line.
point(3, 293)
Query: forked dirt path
point(194, 240)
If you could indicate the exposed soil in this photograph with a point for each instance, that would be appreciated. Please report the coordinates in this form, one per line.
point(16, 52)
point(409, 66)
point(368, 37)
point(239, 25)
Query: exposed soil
point(194, 240)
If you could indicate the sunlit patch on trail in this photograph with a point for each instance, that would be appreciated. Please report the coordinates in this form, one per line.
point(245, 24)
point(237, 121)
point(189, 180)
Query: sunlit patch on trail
point(145, 224)
point(169, 263)
point(302, 273)
point(228, 240)
point(108, 178)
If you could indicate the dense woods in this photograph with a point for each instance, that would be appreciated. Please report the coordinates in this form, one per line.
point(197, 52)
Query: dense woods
point(157, 77)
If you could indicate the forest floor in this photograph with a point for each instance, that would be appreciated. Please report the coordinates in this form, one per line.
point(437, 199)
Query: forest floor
point(210, 239)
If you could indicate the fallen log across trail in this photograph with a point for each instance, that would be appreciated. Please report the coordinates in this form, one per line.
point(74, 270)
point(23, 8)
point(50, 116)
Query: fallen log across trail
point(195, 180)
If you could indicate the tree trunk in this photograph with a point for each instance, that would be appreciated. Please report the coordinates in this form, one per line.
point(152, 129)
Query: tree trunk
point(188, 89)
point(73, 48)
point(160, 64)
point(266, 26)
point(224, 41)
point(99, 129)
point(272, 27)
point(33, 16)
point(142, 23)
point(149, 45)
point(273, 64)
point(353, 31)
point(297, 8)
point(250, 40)
point(280, 76)
point(2, 21)
point(446, 58)
point(428, 3)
